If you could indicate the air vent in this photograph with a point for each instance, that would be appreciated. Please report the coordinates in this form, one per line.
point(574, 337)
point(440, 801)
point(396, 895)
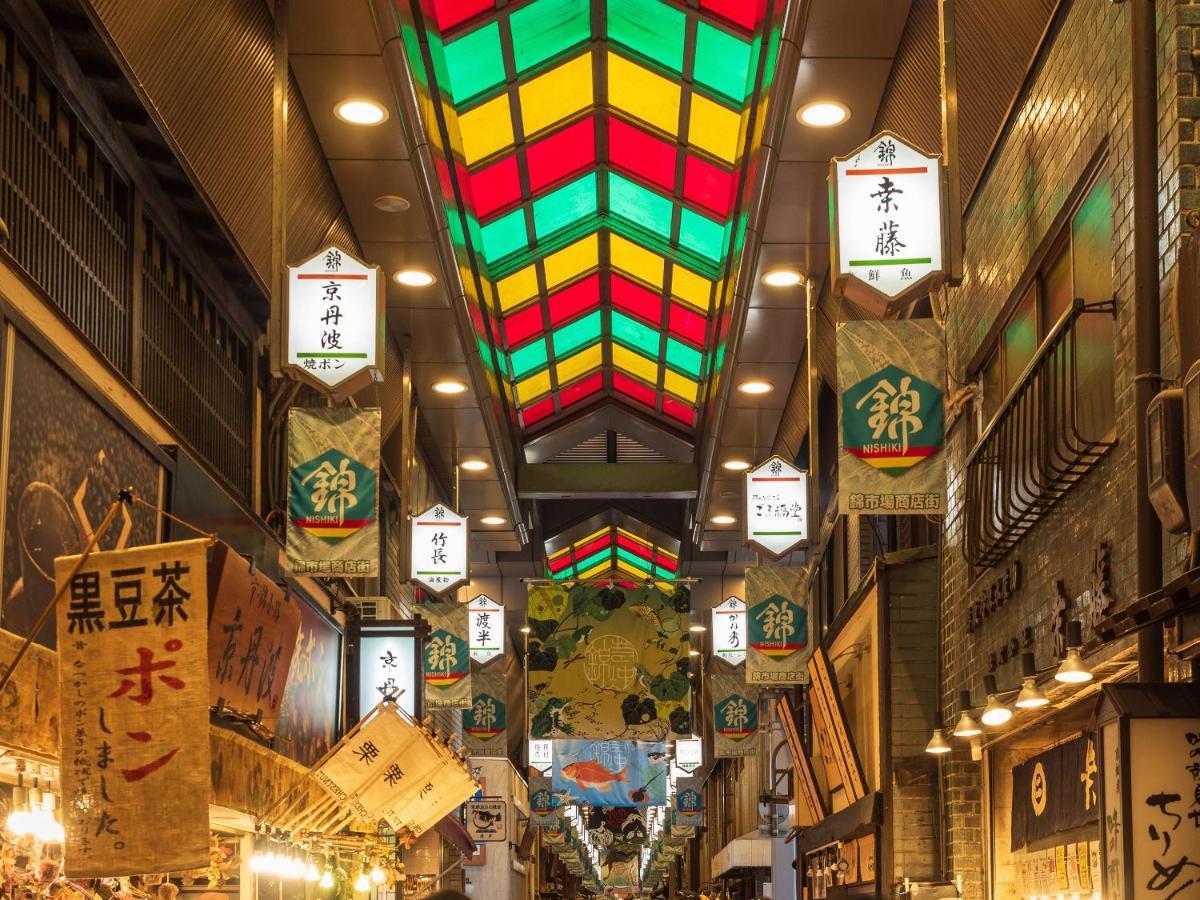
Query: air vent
point(596, 450)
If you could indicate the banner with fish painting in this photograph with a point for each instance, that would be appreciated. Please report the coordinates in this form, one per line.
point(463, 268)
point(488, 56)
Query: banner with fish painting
point(445, 657)
point(735, 715)
point(611, 773)
point(891, 379)
point(485, 721)
point(609, 662)
point(777, 625)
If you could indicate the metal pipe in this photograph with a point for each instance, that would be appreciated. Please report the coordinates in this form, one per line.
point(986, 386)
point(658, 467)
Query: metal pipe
point(1147, 350)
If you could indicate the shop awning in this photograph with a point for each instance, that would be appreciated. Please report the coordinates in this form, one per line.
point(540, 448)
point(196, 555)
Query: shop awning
point(453, 831)
point(748, 851)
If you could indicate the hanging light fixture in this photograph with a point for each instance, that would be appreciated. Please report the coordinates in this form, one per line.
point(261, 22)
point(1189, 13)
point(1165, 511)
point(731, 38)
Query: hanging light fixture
point(378, 876)
point(967, 727)
point(995, 713)
point(326, 881)
point(1031, 696)
point(362, 883)
point(938, 743)
point(19, 818)
point(310, 870)
point(1072, 670)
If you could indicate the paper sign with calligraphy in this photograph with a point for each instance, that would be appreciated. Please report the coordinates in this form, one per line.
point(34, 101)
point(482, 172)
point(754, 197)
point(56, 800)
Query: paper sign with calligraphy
point(541, 755)
point(778, 625)
point(133, 679)
point(891, 376)
point(735, 716)
point(888, 231)
point(445, 662)
point(776, 507)
point(387, 671)
point(689, 756)
point(252, 632)
point(440, 557)
point(729, 631)
point(332, 330)
point(485, 721)
point(333, 496)
point(486, 621)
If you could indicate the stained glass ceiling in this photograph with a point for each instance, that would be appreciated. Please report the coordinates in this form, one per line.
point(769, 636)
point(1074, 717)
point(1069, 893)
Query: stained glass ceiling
point(592, 157)
point(612, 545)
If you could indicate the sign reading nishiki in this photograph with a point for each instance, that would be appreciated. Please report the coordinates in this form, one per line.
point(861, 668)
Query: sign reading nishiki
point(134, 696)
point(439, 549)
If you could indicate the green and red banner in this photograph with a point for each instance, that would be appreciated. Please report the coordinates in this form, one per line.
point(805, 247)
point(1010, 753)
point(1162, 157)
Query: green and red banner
point(779, 641)
point(445, 658)
point(485, 721)
point(735, 714)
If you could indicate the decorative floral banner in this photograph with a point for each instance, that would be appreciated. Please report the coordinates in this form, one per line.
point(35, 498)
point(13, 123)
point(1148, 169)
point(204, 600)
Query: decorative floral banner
point(611, 773)
point(777, 623)
point(735, 716)
point(609, 662)
point(446, 660)
point(485, 721)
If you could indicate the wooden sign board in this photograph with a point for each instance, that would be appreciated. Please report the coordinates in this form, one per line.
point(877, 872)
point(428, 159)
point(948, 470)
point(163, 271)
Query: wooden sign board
point(831, 732)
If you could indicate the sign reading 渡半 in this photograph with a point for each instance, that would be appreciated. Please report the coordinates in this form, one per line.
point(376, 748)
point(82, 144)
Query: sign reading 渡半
point(133, 692)
point(333, 496)
point(776, 506)
point(890, 380)
point(888, 229)
point(485, 619)
point(333, 334)
point(439, 550)
point(777, 621)
point(729, 631)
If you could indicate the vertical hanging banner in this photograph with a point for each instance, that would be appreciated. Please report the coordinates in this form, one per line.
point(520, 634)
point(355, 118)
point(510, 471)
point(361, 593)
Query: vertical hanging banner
point(439, 552)
point(777, 621)
point(729, 631)
point(888, 230)
point(542, 803)
point(485, 721)
point(446, 663)
point(891, 376)
point(133, 680)
point(333, 495)
point(735, 716)
point(689, 802)
point(486, 620)
point(776, 507)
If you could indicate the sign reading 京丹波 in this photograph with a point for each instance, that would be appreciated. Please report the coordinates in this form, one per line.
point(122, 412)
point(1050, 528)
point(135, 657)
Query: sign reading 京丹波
point(446, 662)
point(134, 696)
point(776, 506)
point(891, 376)
point(729, 631)
point(332, 330)
point(777, 623)
point(888, 229)
point(486, 627)
point(735, 716)
point(333, 496)
point(439, 550)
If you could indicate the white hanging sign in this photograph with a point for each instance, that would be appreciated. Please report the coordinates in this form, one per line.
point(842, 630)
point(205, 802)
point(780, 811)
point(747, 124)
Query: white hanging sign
point(689, 754)
point(485, 620)
point(776, 506)
point(889, 224)
point(541, 755)
point(439, 550)
point(332, 322)
point(387, 671)
point(729, 631)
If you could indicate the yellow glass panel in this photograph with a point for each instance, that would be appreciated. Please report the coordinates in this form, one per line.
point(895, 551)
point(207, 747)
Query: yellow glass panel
point(571, 260)
point(680, 386)
point(582, 362)
point(635, 364)
point(591, 537)
point(714, 128)
point(556, 95)
point(628, 569)
point(642, 93)
point(517, 288)
point(603, 569)
point(486, 129)
point(636, 261)
point(637, 540)
point(693, 289)
point(533, 387)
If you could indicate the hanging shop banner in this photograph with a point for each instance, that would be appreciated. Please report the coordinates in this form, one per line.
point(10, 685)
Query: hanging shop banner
point(776, 507)
point(487, 820)
point(333, 322)
point(609, 661)
point(439, 554)
point(543, 805)
point(891, 376)
point(333, 496)
point(777, 622)
point(444, 658)
point(611, 773)
point(486, 621)
point(735, 716)
point(1055, 791)
point(689, 755)
point(689, 802)
point(541, 755)
point(888, 231)
point(729, 631)
point(831, 734)
point(484, 722)
point(133, 683)
point(252, 631)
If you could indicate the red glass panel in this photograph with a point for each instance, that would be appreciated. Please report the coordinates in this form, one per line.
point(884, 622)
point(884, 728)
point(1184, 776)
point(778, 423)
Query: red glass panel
point(495, 187)
point(443, 177)
point(665, 562)
point(535, 412)
point(634, 389)
point(635, 299)
point(746, 13)
point(523, 325)
point(581, 390)
point(634, 547)
point(708, 185)
point(683, 323)
point(640, 154)
point(677, 410)
point(573, 300)
point(559, 563)
point(592, 547)
point(448, 13)
point(562, 153)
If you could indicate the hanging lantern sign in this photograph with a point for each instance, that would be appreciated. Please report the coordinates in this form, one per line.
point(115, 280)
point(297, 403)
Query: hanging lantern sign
point(486, 628)
point(439, 550)
point(689, 754)
point(729, 631)
point(541, 755)
point(332, 322)
point(776, 507)
point(888, 232)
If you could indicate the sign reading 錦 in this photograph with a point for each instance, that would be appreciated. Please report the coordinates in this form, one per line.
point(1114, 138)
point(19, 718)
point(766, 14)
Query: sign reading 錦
point(332, 329)
point(133, 706)
point(888, 231)
point(446, 663)
point(689, 802)
point(777, 623)
point(729, 631)
point(487, 820)
point(776, 506)
point(542, 802)
point(735, 716)
point(485, 721)
point(890, 380)
point(486, 626)
point(439, 550)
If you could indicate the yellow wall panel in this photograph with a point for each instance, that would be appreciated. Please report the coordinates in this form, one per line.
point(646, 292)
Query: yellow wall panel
point(572, 260)
point(554, 96)
point(486, 129)
point(642, 93)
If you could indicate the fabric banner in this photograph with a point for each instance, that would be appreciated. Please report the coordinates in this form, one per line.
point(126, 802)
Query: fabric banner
point(543, 805)
point(611, 773)
point(735, 716)
point(1055, 792)
point(891, 378)
point(777, 625)
point(609, 662)
point(333, 495)
point(485, 721)
point(689, 802)
point(445, 658)
point(133, 688)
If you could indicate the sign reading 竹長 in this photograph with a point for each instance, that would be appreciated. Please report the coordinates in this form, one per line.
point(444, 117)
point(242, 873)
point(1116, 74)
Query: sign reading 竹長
point(332, 332)
point(888, 224)
point(892, 424)
point(776, 506)
point(439, 550)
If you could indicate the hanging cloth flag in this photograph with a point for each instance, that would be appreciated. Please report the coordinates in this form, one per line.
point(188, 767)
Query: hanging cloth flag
point(446, 660)
point(778, 623)
point(735, 716)
point(485, 722)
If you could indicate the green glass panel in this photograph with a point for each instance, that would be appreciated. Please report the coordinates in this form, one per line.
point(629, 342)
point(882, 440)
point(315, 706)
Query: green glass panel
point(577, 335)
point(639, 205)
point(412, 48)
point(634, 560)
point(649, 27)
point(594, 560)
point(474, 62)
point(437, 53)
point(635, 335)
point(683, 358)
point(660, 572)
point(504, 236)
point(722, 62)
point(547, 28)
point(565, 206)
point(528, 359)
point(702, 235)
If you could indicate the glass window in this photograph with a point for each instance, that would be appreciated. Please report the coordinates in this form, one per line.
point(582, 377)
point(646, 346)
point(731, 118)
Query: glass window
point(1020, 338)
point(1091, 251)
point(1057, 293)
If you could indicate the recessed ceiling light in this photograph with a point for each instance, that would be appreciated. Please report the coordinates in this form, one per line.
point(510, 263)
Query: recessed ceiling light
point(735, 465)
point(722, 519)
point(449, 386)
point(360, 112)
point(392, 203)
point(756, 386)
point(782, 278)
point(493, 520)
point(413, 278)
point(823, 113)
point(473, 465)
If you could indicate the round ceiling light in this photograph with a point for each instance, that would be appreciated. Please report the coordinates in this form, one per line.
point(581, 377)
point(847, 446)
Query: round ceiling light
point(392, 203)
point(782, 278)
point(414, 278)
point(493, 520)
point(360, 112)
point(735, 465)
point(449, 386)
point(473, 465)
point(722, 519)
point(823, 113)
point(756, 386)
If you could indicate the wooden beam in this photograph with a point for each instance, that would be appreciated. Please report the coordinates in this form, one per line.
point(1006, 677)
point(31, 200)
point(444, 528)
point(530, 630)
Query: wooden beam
point(554, 481)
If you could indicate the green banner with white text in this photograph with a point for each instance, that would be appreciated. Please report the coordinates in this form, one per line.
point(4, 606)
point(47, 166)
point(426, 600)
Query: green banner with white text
point(778, 635)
